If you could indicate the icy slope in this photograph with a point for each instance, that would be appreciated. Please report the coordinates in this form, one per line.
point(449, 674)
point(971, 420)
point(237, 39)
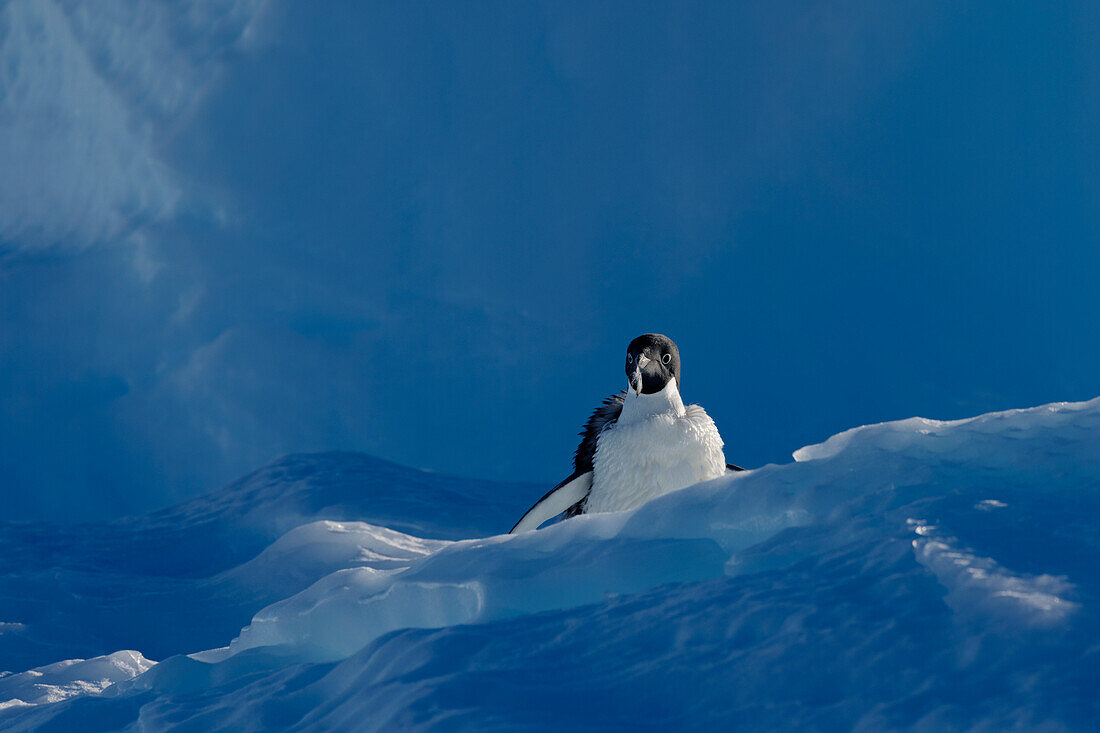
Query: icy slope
point(180, 579)
point(916, 574)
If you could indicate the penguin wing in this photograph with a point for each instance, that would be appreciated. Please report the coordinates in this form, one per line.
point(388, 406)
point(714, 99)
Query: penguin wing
point(569, 495)
point(607, 412)
point(731, 467)
point(566, 495)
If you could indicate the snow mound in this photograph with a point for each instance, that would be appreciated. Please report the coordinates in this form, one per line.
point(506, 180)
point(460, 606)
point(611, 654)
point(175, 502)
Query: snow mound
point(912, 575)
point(190, 576)
point(313, 550)
point(72, 677)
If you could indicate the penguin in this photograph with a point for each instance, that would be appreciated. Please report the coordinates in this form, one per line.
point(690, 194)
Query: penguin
point(638, 444)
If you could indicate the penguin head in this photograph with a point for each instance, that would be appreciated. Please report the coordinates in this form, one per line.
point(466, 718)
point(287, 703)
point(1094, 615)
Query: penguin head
point(652, 361)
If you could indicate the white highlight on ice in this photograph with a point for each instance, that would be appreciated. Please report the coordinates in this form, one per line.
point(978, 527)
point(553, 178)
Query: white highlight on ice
point(979, 587)
point(61, 680)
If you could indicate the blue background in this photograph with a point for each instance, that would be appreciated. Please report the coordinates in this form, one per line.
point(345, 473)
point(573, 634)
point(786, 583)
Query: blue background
point(427, 231)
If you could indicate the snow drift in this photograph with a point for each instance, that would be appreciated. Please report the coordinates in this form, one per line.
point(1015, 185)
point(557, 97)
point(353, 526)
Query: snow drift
point(916, 574)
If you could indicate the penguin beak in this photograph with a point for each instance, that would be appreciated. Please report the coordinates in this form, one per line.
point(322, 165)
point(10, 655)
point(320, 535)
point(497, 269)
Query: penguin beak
point(636, 376)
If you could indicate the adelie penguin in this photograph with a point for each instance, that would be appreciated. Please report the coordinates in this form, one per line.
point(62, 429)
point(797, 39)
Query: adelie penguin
point(639, 444)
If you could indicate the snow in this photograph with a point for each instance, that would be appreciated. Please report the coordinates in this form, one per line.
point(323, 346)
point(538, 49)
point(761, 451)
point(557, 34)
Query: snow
point(911, 575)
point(69, 678)
point(189, 577)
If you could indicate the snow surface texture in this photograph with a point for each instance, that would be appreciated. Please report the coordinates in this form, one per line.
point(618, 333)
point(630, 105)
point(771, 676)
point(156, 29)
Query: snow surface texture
point(62, 680)
point(916, 575)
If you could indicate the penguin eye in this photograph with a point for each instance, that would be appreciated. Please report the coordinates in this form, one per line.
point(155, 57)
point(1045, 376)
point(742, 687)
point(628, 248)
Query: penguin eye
point(666, 358)
point(629, 358)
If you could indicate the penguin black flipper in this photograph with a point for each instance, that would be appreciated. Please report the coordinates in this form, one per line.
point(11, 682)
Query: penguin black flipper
point(570, 495)
point(731, 467)
point(607, 412)
point(562, 498)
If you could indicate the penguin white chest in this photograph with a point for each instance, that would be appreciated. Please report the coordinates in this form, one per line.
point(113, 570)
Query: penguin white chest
point(645, 456)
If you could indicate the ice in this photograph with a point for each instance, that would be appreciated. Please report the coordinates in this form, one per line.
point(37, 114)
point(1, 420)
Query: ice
point(189, 577)
point(62, 680)
point(474, 582)
point(918, 574)
point(979, 585)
